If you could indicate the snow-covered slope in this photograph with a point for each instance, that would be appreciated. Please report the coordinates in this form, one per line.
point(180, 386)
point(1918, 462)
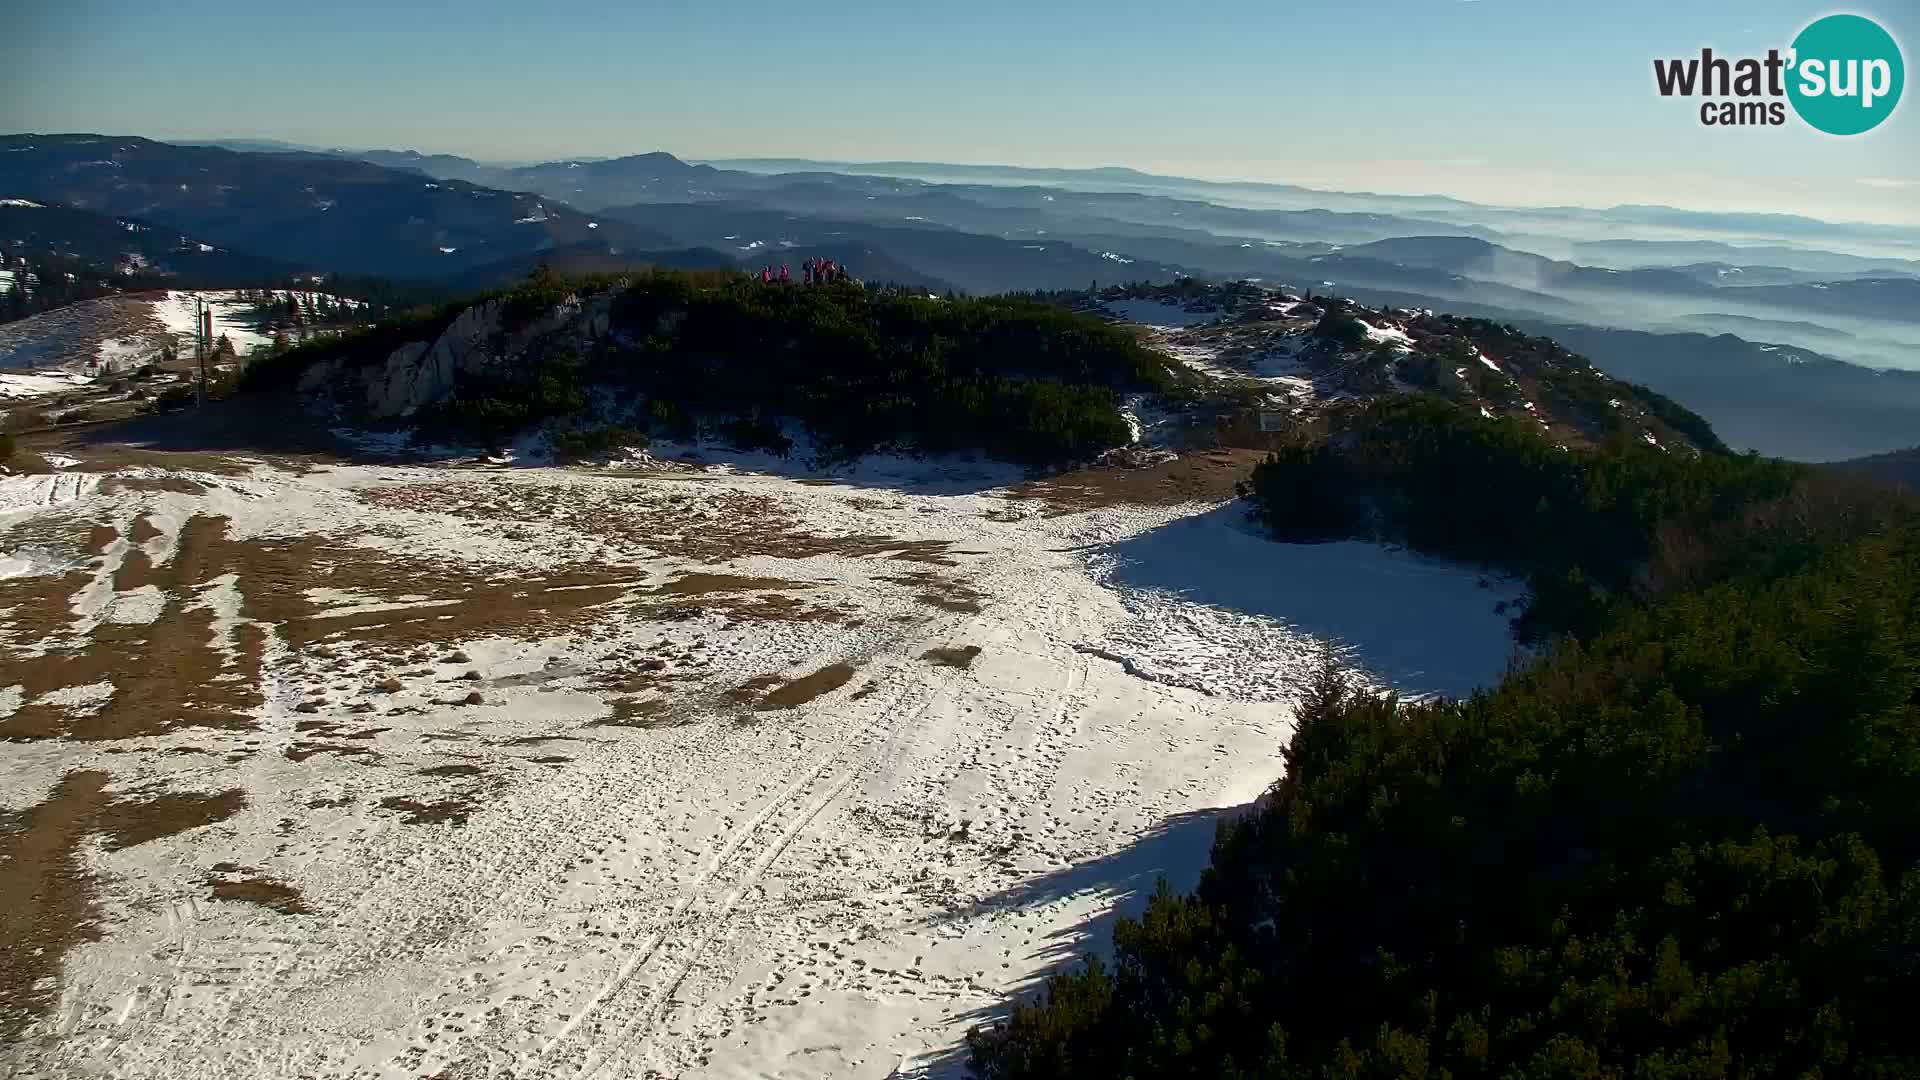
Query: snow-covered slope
point(117, 333)
point(550, 773)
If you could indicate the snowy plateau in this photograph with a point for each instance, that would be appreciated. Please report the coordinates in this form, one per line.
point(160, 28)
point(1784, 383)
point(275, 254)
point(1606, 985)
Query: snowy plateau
point(701, 768)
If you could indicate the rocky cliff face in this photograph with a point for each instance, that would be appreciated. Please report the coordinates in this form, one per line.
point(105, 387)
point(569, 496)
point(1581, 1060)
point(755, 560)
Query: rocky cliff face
point(474, 343)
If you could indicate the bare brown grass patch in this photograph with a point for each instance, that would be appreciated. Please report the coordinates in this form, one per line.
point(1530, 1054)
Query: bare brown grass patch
point(961, 657)
point(1197, 477)
point(252, 886)
point(47, 902)
point(794, 694)
point(451, 811)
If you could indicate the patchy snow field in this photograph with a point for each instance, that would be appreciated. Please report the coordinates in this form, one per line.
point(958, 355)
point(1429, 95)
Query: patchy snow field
point(117, 333)
point(21, 385)
point(531, 772)
point(232, 316)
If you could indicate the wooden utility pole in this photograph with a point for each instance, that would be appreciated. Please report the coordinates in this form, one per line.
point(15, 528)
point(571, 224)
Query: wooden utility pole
point(202, 345)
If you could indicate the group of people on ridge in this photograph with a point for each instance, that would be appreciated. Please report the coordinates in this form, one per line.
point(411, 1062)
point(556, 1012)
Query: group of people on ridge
point(812, 272)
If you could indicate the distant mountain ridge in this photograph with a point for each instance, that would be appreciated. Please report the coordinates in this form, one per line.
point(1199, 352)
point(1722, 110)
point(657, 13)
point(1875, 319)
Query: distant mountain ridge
point(1771, 335)
point(126, 243)
point(1899, 467)
point(344, 214)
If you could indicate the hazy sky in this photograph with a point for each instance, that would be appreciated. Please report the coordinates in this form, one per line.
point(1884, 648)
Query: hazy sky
point(1520, 101)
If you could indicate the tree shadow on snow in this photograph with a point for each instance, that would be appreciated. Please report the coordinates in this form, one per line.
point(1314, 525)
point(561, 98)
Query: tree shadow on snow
point(1120, 883)
point(1419, 625)
point(281, 426)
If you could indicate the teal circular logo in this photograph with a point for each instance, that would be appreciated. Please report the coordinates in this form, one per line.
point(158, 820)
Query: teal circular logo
point(1846, 76)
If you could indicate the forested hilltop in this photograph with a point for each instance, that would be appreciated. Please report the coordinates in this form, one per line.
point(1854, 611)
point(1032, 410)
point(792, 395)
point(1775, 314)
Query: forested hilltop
point(672, 354)
point(1685, 842)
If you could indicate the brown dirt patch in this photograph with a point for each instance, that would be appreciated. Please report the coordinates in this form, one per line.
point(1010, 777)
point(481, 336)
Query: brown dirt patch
point(301, 751)
point(46, 899)
point(1205, 476)
point(633, 713)
point(143, 530)
point(701, 584)
point(749, 692)
point(47, 902)
point(943, 593)
point(165, 675)
point(254, 887)
point(714, 528)
point(452, 811)
point(452, 770)
point(178, 485)
point(748, 598)
point(957, 657)
point(185, 671)
point(135, 571)
point(807, 687)
point(131, 821)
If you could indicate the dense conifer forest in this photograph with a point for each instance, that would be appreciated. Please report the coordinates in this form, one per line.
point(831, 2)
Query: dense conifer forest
point(858, 368)
point(1682, 842)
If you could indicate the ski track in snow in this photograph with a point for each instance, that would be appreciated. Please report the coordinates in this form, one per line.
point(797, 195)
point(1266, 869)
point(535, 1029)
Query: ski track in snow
point(838, 890)
point(22, 495)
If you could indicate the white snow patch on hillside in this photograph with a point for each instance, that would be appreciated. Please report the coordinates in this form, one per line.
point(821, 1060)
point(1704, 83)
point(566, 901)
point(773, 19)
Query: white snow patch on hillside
point(231, 317)
point(79, 699)
point(1489, 364)
point(17, 387)
point(35, 560)
point(1152, 426)
point(135, 607)
point(23, 495)
point(1277, 366)
point(117, 353)
point(1387, 335)
point(1204, 590)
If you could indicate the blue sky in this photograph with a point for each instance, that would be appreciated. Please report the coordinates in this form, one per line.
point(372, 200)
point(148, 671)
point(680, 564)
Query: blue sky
point(1522, 101)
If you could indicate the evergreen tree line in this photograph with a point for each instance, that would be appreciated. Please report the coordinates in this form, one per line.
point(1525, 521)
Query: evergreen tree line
point(1588, 529)
point(859, 368)
point(44, 281)
point(1684, 842)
